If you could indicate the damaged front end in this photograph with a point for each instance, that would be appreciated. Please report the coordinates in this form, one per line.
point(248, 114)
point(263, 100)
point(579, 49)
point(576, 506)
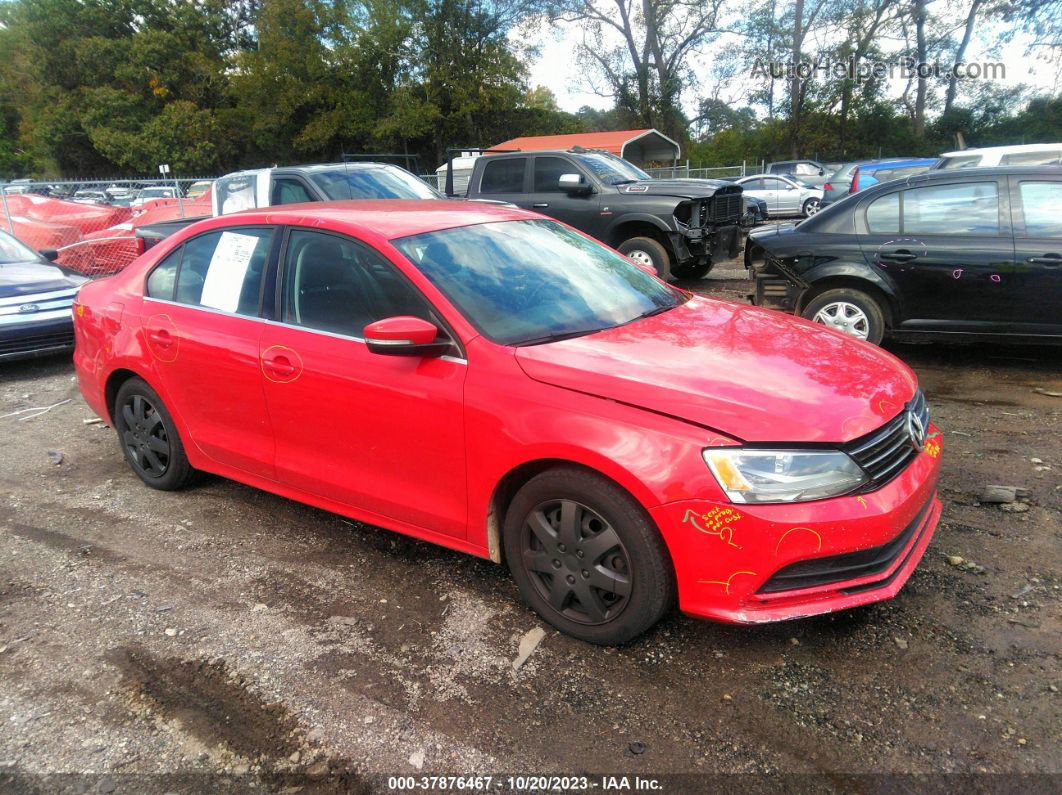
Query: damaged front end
point(709, 228)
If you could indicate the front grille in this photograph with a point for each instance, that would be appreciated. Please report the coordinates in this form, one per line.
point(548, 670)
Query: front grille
point(36, 342)
point(722, 209)
point(885, 453)
point(848, 566)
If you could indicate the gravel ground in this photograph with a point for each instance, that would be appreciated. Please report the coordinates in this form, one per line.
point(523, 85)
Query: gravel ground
point(156, 641)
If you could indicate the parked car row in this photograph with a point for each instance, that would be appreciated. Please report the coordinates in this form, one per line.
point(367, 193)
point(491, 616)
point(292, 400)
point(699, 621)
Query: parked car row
point(117, 194)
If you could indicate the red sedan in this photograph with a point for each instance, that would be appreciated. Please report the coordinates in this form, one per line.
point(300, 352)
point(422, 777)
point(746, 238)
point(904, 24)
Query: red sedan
point(495, 382)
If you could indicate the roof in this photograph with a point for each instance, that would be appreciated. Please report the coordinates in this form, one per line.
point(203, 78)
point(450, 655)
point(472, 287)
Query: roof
point(377, 219)
point(1005, 150)
point(877, 165)
point(643, 145)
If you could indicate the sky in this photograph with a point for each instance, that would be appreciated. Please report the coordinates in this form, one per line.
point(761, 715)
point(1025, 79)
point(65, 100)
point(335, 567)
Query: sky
point(555, 68)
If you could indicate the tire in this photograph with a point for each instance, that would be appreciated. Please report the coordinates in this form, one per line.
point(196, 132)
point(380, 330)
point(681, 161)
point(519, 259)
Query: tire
point(811, 206)
point(693, 271)
point(567, 568)
point(149, 438)
point(647, 251)
point(855, 312)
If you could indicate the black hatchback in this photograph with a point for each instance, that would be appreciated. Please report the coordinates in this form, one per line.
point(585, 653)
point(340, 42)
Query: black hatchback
point(947, 254)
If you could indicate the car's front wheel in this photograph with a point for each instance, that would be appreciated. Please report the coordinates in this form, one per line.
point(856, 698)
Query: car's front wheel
point(811, 206)
point(149, 437)
point(586, 557)
point(849, 311)
point(646, 251)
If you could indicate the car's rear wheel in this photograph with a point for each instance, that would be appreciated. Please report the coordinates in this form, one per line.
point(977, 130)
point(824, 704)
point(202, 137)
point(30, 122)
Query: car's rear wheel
point(811, 206)
point(694, 271)
point(849, 311)
point(586, 557)
point(646, 251)
point(149, 437)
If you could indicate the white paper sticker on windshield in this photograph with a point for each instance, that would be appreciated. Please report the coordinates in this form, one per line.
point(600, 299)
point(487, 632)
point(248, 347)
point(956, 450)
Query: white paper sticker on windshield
point(228, 268)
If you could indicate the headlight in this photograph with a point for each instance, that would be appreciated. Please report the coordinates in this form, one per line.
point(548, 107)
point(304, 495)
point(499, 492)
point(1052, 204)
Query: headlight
point(760, 476)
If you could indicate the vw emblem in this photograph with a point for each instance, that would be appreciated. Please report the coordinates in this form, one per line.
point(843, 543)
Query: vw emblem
point(26, 309)
point(915, 430)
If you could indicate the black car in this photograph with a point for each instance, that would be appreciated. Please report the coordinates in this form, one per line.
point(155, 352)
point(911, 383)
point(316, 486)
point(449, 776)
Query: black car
point(35, 302)
point(677, 226)
point(952, 254)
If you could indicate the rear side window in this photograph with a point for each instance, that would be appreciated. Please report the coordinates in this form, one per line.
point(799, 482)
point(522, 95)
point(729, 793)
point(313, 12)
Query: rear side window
point(503, 176)
point(883, 215)
point(548, 171)
point(1032, 159)
point(223, 270)
point(1041, 207)
point(163, 278)
point(970, 209)
point(961, 161)
point(753, 184)
point(780, 168)
point(290, 191)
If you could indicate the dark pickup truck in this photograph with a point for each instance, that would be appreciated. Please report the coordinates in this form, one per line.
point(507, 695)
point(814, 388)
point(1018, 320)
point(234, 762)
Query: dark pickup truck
point(678, 226)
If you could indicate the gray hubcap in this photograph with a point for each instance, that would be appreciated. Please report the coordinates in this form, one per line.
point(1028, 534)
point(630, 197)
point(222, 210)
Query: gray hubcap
point(641, 257)
point(846, 317)
point(812, 208)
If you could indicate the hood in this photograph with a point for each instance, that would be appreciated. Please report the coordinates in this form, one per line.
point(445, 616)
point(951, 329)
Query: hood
point(31, 278)
point(681, 188)
point(750, 373)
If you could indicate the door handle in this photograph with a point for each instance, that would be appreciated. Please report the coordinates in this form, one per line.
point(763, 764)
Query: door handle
point(1047, 259)
point(901, 255)
point(280, 365)
point(540, 205)
point(161, 337)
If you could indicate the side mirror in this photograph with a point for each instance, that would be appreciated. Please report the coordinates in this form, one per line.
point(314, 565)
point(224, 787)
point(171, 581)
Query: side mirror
point(49, 254)
point(404, 336)
point(573, 183)
point(822, 172)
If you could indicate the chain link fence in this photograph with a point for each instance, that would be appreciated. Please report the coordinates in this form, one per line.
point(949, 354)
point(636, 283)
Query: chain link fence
point(91, 224)
point(683, 171)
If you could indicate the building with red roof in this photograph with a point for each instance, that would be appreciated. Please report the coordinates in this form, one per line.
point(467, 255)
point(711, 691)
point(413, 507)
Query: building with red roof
point(638, 146)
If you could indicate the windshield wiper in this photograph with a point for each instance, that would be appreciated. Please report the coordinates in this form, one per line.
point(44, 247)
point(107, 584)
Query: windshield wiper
point(657, 310)
point(561, 335)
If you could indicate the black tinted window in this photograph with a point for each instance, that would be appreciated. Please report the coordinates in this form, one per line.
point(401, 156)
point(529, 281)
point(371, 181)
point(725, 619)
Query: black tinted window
point(883, 215)
point(334, 284)
point(503, 176)
point(1041, 207)
point(223, 270)
point(548, 172)
point(161, 281)
point(290, 191)
point(970, 209)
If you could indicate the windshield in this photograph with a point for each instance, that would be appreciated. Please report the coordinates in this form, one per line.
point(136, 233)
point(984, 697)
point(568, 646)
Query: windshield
point(377, 182)
point(12, 251)
point(610, 169)
point(523, 282)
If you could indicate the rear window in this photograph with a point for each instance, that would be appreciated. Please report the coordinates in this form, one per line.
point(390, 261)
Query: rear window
point(503, 176)
point(885, 174)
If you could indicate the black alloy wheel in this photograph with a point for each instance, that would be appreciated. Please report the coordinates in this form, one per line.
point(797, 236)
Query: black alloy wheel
point(576, 561)
point(144, 436)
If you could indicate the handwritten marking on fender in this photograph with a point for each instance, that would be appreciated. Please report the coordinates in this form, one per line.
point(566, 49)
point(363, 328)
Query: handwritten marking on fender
point(718, 521)
point(818, 538)
point(726, 583)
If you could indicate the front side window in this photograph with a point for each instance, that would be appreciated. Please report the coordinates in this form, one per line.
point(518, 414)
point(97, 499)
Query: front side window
point(522, 282)
point(1041, 207)
point(548, 171)
point(334, 284)
point(970, 209)
point(883, 215)
point(503, 176)
point(371, 181)
point(223, 270)
point(1045, 158)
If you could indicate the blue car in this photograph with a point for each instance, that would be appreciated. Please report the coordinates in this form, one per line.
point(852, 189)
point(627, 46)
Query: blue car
point(867, 174)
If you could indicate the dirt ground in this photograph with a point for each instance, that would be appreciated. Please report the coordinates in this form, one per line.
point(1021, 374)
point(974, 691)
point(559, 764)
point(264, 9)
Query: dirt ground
point(152, 641)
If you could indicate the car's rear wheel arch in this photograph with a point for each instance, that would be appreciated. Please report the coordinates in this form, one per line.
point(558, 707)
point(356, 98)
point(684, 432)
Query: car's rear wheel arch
point(114, 383)
point(884, 300)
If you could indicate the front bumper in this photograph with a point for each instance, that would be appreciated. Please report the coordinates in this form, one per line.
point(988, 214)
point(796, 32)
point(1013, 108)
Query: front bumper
point(753, 563)
point(49, 333)
point(707, 243)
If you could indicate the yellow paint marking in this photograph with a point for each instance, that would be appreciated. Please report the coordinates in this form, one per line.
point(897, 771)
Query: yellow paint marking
point(818, 538)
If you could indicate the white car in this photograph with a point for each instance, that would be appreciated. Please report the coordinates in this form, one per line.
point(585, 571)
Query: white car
point(154, 192)
point(784, 195)
point(1021, 155)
